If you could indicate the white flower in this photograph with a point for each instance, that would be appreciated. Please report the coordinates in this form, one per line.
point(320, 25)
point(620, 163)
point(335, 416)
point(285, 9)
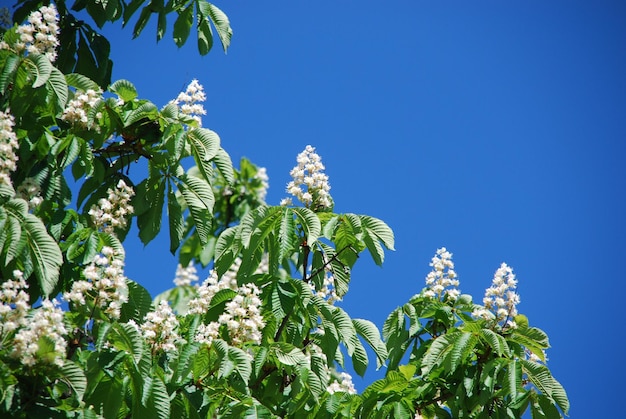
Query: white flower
point(500, 301)
point(8, 146)
point(441, 281)
point(14, 303)
point(45, 323)
point(77, 110)
point(262, 176)
point(159, 328)
point(344, 385)
point(104, 285)
point(309, 185)
point(190, 99)
point(30, 192)
point(185, 276)
point(39, 35)
point(111, 212)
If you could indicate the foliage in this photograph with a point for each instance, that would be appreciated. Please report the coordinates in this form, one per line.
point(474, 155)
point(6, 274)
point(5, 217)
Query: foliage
point(261, 336)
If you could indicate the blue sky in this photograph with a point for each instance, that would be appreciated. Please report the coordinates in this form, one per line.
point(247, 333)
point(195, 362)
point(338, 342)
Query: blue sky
point(493, 128)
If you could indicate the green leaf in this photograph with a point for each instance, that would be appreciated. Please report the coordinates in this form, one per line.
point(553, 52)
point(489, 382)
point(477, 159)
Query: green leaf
point(44, 253)
point(205, 36)
point(370, 333)
point(145, 110)
point(225, 165)
point(219, 20)
point(182, 25)
point(289, 354)
point(42, 67)
point(58, 87)
point(74, 376)
point(204, 147)
point(150, 198)
point(10, 67)
point(81, 82)
point(310, 223)
point(125, 337)
point(138, 304)
point(241, 362)
point(198, 197)
point(124, 89)
point(497, 342)
point(177, 222)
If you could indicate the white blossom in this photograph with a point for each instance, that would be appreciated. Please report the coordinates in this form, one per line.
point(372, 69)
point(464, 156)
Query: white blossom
point(46, 322)
point(39, 34)
point(343, 385)
point(30, 192)
point(111, 212)
point(104, 285)
point(188, 101)
point(208, 289)
point(500, 301)
point(441, 280)
point(77, 110)
point(8, 147)
point(185, 276)
point(262, 176)
point(310, 185)
point(159, 328)
point(14, 303)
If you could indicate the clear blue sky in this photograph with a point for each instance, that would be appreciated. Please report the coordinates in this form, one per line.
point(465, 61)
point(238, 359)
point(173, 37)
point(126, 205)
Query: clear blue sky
point(493, 128)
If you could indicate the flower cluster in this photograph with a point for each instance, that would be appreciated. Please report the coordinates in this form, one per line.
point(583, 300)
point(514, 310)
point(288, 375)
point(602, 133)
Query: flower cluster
point(104, 284)
point(8, 147)
point(159, 328)
point(328, 291)
point(111, 212)
point(190, 99)
point(39, 35)
point(46, 324)
point(211, 286)
point(441, 281)
point(242, 315)
point(344, 385)
point(77, 110)
point(185, 276)
point(262, 176)
point(14, 303)
point(30, 192)
point(500, 299)
point(309, 185)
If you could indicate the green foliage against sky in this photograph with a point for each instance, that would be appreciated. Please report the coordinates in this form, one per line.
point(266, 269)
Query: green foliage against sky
point(261, 337)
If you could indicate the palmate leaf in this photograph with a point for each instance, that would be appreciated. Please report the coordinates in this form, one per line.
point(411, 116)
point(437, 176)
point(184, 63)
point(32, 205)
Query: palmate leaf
point(497, 342)
point(149, 201)
point(224, 164)
point(41, 68)
point(81, 82)
point(57, 87)
point(177, 222)
point(541, 377)
point(125, 337)
point(375, 230)
point(138, 304)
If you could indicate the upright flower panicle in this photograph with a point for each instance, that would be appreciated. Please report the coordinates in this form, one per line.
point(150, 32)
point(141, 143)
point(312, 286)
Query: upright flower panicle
point(8, 147)
point(189, 101)
point(309, 185)
point(500, 301)
point(104, 285)
point(441, 281)
point(77, 110)
point(14, 303)
point(185, 276)
point(243, 317)
point(211, 286)
point(39, 35)
point(112, 211)
point(46, 323)
point(159, 328)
